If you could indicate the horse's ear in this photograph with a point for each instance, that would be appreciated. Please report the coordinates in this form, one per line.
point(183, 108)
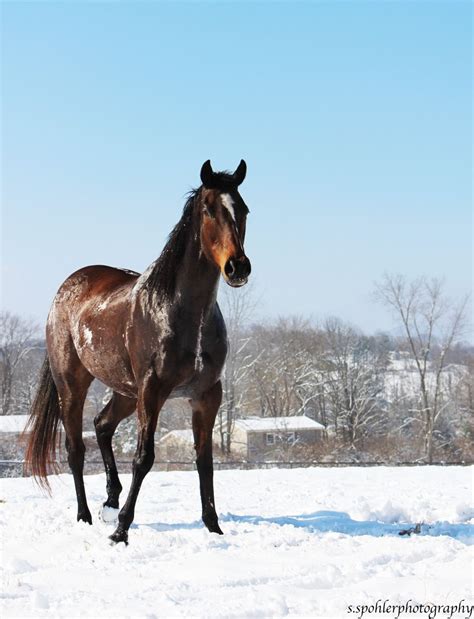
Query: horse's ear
point(207, 174)
point(239, 174)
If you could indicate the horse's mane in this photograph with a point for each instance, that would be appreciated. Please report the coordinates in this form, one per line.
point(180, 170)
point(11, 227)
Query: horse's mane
point(163, 274)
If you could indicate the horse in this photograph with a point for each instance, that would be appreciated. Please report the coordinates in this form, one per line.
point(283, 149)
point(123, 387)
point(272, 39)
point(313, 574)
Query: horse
point(148, 337)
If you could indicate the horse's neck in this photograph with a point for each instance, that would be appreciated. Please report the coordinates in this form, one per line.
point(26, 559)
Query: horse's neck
point(197, 281)
point(194, 290)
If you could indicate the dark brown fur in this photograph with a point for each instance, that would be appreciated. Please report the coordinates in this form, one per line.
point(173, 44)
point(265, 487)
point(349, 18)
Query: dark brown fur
point(149, 338)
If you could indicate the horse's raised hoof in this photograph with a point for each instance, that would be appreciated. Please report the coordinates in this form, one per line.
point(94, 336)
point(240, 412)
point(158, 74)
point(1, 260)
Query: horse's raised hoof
point(119, 536)
point(85, 517)
point(112, 502)
point(108, 514)
point(212, 524)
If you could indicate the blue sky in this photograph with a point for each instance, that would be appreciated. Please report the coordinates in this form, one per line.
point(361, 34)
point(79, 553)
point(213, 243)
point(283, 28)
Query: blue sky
point(354, 119)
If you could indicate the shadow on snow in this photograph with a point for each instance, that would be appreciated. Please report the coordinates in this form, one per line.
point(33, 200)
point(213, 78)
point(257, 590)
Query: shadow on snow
point(336, 522)
point(341, 522)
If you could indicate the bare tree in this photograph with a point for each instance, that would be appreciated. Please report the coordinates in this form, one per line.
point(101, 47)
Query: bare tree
point(353, 376)
point(432, 325)
point(16, 335)
point(25, 380)
point(285, 376)
point(238, 308)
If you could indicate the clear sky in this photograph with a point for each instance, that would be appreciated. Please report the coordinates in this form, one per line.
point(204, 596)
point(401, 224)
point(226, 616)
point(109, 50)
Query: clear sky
point(354, 119)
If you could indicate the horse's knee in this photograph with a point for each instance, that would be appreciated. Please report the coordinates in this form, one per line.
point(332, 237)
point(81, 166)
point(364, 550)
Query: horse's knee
point(103, 429)
point(203, 448)
point(97, 421)
point(144, 461)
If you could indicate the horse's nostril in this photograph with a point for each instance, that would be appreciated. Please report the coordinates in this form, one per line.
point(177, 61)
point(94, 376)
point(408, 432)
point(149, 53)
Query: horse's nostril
point(229, 268)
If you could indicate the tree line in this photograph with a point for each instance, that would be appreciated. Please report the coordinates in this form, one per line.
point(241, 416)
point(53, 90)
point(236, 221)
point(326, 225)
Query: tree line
point(404, 398)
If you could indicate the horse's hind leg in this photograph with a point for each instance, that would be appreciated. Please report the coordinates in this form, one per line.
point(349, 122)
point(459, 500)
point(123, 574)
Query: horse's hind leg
point(118, 408)
point(204, 415)
point(72, 383)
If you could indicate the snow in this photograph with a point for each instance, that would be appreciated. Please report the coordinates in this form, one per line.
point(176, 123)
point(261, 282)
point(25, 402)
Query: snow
point(262, 424)
point(298, 543)
point(402, 376)
point(13, 423)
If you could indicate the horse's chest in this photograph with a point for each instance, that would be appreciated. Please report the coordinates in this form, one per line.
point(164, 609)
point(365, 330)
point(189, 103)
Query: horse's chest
point(187, 350)
point(195, 364)
point(185, 353)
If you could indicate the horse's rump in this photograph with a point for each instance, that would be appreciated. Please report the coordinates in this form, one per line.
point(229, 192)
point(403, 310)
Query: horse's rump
point(89, 314)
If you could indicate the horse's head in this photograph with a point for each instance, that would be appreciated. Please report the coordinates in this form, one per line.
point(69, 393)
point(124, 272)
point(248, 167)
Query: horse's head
point(223, 217)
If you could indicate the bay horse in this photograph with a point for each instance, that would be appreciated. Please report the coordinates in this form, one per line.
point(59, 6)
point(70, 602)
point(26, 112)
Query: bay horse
point(148, 337)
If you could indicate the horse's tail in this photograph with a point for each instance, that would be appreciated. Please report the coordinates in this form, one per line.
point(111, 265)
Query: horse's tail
point(42, 427)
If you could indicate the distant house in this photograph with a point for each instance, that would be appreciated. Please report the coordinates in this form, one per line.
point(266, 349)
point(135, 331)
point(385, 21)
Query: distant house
point(12, 448)
point(266, 438)
point(13, 424)
point(11, 429)
point(177, 445)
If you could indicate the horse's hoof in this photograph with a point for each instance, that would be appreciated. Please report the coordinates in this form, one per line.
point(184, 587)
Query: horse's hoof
point(212, 524)
point(85, 517)
point(108, 514)
point(119, 536)
point(216, 529)
point(114, 503)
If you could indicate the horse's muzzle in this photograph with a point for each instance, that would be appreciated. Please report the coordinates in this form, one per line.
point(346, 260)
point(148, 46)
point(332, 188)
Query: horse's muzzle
point(237, 271)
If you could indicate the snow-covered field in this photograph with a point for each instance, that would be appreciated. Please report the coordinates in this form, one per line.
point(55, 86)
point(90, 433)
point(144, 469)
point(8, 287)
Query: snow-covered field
point(303, 543)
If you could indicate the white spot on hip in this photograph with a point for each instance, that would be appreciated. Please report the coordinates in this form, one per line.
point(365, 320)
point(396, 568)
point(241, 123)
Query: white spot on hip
point(87, 335)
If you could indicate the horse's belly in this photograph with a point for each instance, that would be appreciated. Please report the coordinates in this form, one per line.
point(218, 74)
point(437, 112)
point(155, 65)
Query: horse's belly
point(113, 372)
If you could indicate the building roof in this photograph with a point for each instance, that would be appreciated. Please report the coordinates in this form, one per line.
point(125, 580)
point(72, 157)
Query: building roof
point(271, 424)
point(186, 436)
point(13, 423)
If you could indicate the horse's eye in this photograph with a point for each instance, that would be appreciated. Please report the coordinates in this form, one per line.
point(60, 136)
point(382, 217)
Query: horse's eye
point(207, 212)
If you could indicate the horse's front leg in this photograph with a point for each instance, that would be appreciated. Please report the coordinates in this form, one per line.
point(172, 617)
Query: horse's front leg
point(151, 398)
point(204, 415)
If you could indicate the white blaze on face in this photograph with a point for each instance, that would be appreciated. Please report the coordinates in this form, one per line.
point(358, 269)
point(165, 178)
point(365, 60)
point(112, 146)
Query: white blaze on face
point(228, 203)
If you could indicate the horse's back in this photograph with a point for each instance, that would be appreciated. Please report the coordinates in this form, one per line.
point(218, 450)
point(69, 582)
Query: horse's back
point(92, 289)
point(96, 279)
